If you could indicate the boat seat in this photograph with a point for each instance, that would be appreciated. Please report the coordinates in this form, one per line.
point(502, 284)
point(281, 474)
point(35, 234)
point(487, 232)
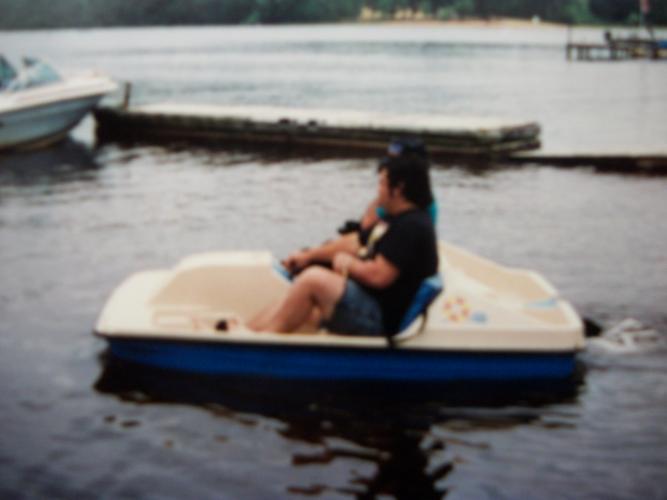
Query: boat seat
point(426, 293)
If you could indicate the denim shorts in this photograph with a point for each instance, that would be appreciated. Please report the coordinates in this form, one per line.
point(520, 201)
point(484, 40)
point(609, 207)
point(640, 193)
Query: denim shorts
point(356, 313)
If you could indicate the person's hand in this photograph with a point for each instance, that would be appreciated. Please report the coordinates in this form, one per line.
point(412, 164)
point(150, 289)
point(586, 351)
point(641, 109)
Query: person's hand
point(296, 261)
point(342, 263)
point(370, 216)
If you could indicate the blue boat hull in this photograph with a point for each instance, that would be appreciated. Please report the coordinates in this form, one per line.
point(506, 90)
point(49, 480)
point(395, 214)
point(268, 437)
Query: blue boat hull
point(302, 362)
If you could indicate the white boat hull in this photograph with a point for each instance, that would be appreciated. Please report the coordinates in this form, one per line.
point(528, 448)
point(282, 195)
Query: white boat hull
point(42, 115)
point(43, 125)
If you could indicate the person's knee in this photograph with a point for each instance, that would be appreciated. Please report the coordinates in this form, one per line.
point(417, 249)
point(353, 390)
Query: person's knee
point(313, 277)
point(321, 283)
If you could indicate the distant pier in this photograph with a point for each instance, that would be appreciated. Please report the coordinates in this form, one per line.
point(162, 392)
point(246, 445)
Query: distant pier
point(342, 130)
point(617, 49)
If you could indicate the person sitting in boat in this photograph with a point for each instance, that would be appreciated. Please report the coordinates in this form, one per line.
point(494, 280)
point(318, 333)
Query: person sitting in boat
point(369, 294)
point(355, 234)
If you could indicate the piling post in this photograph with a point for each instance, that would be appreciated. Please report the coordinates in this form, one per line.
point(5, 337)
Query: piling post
point(568, 45)
point(126, 94)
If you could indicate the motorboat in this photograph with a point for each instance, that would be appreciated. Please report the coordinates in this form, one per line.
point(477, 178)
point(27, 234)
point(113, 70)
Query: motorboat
point(38, 106)
point(489, 323)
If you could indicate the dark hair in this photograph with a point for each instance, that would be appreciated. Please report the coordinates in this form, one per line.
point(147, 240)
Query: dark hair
point(410, 171)
point(406, 146)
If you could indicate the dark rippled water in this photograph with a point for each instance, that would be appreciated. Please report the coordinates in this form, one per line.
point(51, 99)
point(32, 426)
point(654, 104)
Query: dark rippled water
point(77, 218)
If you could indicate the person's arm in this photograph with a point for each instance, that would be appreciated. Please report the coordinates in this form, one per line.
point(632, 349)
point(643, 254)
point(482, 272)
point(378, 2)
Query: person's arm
point(348, 244)
point(375, 273)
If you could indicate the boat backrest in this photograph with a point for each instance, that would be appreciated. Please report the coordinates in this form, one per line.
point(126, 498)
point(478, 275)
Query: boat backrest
point(7, 72)
point(426, 293)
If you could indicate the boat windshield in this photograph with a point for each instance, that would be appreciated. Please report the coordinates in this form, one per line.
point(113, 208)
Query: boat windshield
point(7, 72)
point(33, 74)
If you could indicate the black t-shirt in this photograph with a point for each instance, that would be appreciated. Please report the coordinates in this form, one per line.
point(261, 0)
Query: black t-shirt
point(409, 243)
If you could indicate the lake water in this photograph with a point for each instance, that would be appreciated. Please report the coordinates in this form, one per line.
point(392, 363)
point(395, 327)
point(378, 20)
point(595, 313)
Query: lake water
point(77, 218)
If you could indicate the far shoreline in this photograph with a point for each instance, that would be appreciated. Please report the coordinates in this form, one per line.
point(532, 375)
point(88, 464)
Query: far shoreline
point(495, 23)
point(462, 23)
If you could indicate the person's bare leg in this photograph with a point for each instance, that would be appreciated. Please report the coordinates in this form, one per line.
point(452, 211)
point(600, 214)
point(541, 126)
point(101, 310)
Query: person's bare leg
point(315, 288)
point(312, 324)
point(261, 320)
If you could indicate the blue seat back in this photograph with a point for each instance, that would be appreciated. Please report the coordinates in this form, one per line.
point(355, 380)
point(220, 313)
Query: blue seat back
point(426, 293)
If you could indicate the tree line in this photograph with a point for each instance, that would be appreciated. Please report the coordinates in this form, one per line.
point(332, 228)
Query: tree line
point(21, 14)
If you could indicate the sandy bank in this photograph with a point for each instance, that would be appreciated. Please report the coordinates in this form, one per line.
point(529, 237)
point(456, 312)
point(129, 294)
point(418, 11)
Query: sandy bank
point(496, 22)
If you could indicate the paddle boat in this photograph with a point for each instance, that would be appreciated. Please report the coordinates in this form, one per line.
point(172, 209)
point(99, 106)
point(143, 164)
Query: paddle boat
point(487, 322)
point(38, 106)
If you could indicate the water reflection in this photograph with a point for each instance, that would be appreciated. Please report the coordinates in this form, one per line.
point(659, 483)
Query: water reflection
point(211, 150)
point(67, 161)
point(397, 428)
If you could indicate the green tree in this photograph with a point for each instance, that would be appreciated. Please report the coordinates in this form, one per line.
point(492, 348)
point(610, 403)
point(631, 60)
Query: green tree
point(614, 10)
point(577, 12)
point(20, 14)
point(387, 7)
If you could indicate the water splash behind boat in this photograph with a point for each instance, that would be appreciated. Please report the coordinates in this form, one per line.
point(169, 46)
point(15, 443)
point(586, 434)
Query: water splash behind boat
point(628, 336)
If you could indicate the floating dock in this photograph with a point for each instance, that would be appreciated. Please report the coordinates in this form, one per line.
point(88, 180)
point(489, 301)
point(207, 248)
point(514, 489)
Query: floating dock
point(342, 130)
